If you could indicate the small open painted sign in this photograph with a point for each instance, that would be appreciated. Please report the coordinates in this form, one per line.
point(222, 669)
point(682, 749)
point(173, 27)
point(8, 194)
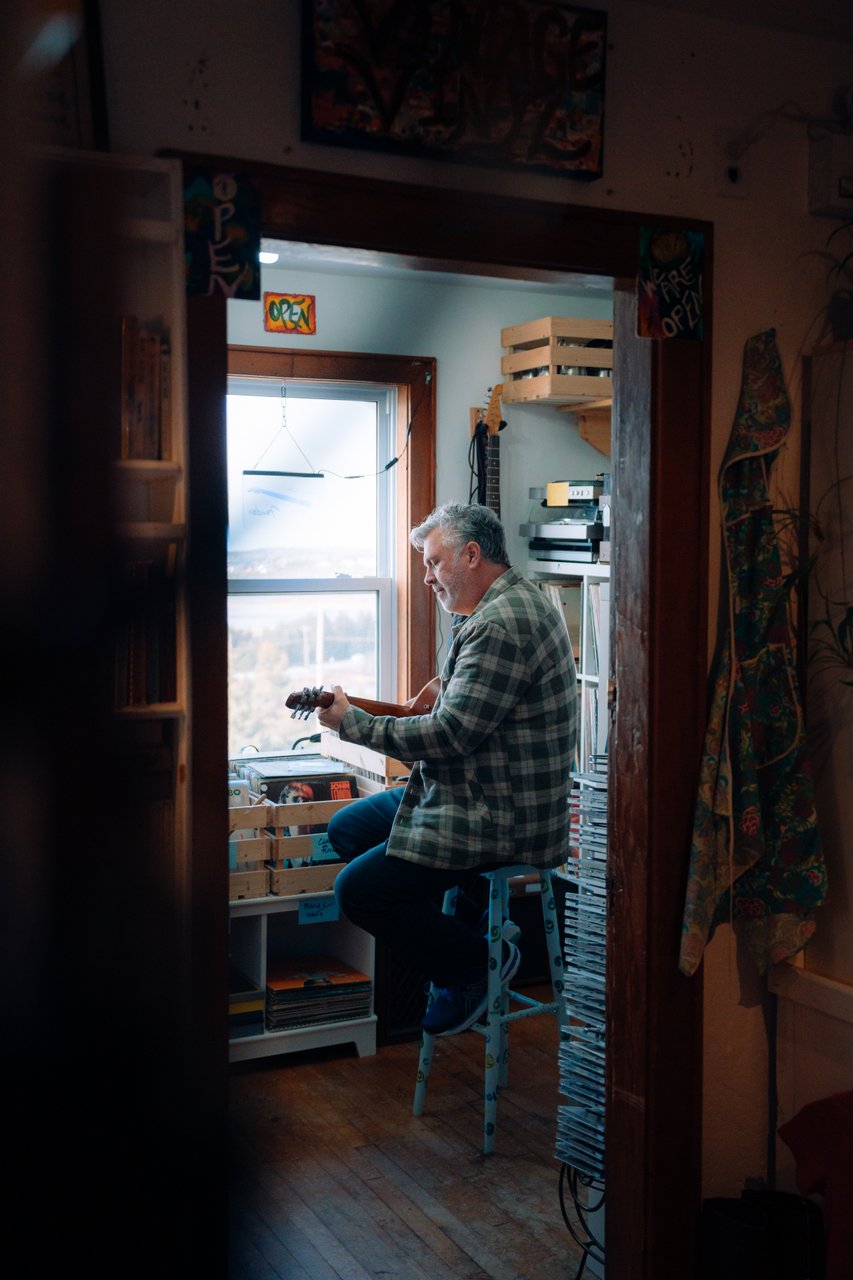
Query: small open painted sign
point(290, 313)
point(669, 283)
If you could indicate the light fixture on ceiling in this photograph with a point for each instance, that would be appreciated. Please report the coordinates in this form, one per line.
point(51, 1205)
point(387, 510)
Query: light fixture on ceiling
point(267, 257)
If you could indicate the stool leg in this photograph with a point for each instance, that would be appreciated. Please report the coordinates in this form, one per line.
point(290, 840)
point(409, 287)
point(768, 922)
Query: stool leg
point(427, 1040)
point(494, 1027)
point(554, 944)
point(503, 1076)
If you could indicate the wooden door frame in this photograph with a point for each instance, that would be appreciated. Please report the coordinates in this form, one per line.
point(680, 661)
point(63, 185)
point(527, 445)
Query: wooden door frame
point(659, 662)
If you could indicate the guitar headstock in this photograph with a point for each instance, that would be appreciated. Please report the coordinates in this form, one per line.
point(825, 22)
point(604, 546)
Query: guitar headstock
point(306, 700)
point(492, 415)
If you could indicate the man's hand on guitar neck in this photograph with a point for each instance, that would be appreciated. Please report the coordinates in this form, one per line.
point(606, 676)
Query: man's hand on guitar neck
point(330, 717)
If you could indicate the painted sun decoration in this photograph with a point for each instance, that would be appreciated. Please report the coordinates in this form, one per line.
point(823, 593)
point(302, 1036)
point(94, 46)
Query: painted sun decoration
point(290, 313)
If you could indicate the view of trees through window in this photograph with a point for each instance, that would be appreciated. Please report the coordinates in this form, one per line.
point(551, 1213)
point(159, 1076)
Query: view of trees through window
point(309, 550)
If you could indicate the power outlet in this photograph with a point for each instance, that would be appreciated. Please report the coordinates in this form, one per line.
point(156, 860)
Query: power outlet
point(731, 169)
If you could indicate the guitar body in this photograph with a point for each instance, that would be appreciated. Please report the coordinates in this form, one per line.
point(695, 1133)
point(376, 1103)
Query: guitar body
point(304, 701)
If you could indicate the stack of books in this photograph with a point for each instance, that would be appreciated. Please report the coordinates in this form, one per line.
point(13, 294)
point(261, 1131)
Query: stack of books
point(245, 1006)
point(305, 990)
point(146, 391)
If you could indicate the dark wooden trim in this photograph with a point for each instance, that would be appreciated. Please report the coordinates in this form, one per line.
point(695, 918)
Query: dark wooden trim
point(207, 1190)
point(659, 666)
point(660, 571)
point(414, 378)
point(499, 235)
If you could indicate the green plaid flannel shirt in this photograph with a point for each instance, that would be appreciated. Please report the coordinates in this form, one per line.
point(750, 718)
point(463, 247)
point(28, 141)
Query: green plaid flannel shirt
point(491, 778)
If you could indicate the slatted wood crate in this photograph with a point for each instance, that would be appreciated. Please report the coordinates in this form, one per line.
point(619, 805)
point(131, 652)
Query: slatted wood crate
point(547, 361)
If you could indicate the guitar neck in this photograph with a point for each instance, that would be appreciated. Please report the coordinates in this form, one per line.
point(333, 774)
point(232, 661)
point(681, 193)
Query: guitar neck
point(308, 700)
point(376, 708)
point(493, 474)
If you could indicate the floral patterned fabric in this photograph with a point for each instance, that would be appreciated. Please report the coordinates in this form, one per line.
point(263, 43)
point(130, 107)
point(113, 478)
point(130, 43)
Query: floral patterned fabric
point(756, 857)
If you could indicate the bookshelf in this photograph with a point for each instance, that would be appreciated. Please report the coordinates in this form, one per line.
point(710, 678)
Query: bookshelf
point(265, 929)
point(583, 593)
point(282, 911)
point(129, 921)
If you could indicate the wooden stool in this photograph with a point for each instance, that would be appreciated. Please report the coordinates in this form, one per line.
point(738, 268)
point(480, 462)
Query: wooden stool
point(499, 1011)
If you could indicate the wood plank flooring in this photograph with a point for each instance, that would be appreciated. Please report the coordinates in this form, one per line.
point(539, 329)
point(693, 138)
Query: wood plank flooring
point(333, 1178)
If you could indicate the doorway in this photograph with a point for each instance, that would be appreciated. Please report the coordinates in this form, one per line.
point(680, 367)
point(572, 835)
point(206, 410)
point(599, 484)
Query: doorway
point(659, 566)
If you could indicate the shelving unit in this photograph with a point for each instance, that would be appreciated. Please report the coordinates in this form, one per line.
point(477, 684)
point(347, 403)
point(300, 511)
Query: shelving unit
point(558, 360)
point(149, 495)
point(262, 928)
point(278, 923)
point(589, 627)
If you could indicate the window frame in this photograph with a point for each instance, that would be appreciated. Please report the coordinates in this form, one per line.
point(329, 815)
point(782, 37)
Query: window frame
point(413, 377)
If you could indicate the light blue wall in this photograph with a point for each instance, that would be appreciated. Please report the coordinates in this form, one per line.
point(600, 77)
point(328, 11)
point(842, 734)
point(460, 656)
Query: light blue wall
point(458, 324)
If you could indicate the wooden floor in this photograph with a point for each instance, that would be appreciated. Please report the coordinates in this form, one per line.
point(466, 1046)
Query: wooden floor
point(333, 1178)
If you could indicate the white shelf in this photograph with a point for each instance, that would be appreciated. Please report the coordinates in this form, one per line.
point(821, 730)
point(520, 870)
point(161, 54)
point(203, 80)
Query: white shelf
point(261, 927)
point(591, 641)
point(358, 1031)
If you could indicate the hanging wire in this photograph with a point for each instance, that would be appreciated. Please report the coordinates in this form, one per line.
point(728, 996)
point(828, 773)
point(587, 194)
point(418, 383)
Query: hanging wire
point(590, 1246)
point(314, 472)
point(253, 471)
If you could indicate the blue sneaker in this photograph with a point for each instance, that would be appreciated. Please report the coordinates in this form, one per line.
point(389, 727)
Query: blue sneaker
point(455, 1009)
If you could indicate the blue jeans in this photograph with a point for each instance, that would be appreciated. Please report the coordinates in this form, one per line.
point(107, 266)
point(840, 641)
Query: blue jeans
point(399, 902)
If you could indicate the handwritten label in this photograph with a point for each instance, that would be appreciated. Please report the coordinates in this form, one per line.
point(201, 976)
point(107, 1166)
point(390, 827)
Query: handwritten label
point(222, 234)
point(290, 313)
point(318, 911)
point(669, 284)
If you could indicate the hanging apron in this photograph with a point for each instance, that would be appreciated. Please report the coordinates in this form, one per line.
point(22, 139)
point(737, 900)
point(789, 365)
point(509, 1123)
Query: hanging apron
point(755, 858)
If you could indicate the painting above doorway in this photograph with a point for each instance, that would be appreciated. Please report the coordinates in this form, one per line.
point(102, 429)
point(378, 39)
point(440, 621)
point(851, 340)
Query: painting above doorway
point(511, 84)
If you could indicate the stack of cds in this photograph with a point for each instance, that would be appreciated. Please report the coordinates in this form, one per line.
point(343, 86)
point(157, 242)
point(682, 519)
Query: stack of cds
point(580, 1123)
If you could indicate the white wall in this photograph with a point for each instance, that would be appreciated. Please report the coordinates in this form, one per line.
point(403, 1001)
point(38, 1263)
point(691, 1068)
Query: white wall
point(460, 326)
point(222, 76)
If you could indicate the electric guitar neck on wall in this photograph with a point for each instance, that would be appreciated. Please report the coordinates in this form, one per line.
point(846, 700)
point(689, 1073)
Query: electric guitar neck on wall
point(304, 701)
point(489, 424)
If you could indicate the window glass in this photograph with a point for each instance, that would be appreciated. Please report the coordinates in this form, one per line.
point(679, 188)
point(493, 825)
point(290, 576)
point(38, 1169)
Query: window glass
point(282, 642)
point(310, 551)
point(302, 481)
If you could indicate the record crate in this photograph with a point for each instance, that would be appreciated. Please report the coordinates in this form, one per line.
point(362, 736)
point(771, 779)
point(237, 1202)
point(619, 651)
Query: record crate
point(248, 850)
point(295, 834)
point(557, 360)
point(374, 770)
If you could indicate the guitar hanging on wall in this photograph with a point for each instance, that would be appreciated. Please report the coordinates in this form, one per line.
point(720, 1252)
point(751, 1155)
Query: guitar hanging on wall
point(484, 454)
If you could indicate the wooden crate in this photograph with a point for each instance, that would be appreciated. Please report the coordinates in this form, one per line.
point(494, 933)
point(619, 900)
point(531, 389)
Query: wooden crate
point(538, 352)
point(288, 882)
point(248, 884)
point(374, 770)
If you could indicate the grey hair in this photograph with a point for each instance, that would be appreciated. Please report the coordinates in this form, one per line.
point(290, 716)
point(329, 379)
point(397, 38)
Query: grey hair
point(460, 523)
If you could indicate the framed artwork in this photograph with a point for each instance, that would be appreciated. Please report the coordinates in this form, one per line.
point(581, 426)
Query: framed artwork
point(513, 84)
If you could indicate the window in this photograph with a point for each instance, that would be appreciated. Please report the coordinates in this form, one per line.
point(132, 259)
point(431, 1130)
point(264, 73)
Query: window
point(311, 549)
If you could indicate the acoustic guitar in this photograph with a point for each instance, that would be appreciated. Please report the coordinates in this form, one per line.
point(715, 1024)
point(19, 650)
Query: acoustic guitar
point(304, 701)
